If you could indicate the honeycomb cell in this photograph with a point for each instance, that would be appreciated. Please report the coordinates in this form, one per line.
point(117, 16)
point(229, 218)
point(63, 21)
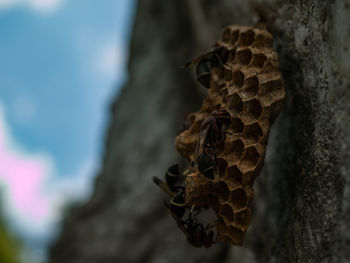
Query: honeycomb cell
point(220, 85)
point(223, 94)
point(219, 147)
point(231, 55)
point(271, 90)
point(258, 60)
point(252, 110)
point(228, 75)
point(222, 229)
point(263, 40)
point(238, 198)
point(246, 38)
point(222, 191)
point(234, 176)
point(196, 126)
point(234, 36)
point(189, 120)
point(243, 218)
point(249, 158)
point(251, 87)
point(227, 214)
point(244, 56)
point(236, 234)
point(235, 104)
point(268, 66)
point(184, 147)
point(252, 133)
point(274, 110)
point(214, 203)
point(236, 125)
point(238, 78)
point(226, 35)
point(234, 150)
point(221, 164)
point(220, 72)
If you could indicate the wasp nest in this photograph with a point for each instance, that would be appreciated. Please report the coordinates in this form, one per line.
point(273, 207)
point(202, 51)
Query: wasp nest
point(225, 141)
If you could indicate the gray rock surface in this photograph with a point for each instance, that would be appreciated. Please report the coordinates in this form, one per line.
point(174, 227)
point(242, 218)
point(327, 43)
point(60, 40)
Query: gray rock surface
point(302, 197)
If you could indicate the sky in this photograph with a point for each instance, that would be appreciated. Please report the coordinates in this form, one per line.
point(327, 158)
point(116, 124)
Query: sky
point(61, 64)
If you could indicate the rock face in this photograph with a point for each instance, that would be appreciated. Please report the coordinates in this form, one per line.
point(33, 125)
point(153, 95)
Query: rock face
point(302, 198)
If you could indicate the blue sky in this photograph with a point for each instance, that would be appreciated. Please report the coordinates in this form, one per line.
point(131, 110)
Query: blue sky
point(61, 63)
point(50, 63)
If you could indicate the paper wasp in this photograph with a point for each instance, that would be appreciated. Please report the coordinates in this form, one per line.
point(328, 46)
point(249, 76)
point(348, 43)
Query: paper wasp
point(197, 235)
point(211, 131)
point(214, 58)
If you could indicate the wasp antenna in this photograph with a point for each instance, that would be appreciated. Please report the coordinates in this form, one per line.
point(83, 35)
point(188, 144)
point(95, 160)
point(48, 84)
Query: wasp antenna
point(185, 65)
point(188, 64)
point(228, 132)
point(206, 56)
point(156, 180)
point(162, 185)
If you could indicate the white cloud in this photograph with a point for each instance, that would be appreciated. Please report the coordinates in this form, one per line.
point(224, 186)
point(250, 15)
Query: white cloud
point(4, 4)
point(40, 6)
point(45, 6)
point(109, 59)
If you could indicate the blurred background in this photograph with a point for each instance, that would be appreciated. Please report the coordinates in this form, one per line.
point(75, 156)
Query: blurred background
point(61, 62)
point(78, 152)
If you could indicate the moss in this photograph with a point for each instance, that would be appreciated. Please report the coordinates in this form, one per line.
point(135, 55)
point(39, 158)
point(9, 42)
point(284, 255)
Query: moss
point(9, 248)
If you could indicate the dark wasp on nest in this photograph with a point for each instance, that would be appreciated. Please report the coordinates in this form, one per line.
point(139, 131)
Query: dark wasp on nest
point(213, 58)
point(211, 131)
point(197, 235)
point(174, 187)
point(211, 127)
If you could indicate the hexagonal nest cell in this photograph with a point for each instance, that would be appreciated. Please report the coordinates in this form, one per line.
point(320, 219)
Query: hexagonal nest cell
point(229, 132)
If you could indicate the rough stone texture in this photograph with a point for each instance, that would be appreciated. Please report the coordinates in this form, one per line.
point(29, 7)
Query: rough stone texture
point(302, 198)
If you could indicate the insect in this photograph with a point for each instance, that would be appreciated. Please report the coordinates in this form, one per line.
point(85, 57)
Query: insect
point(177, 192)
point(213, 58)
point(206, 165)
point(203, 73)
point(211, 131)
point(196, 234)
point(202, 236)
point(177, 204)
point(173, 180)
point(162, 185)
point(172, 176)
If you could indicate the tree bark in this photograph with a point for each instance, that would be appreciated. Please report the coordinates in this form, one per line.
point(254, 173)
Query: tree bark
point(302, 197)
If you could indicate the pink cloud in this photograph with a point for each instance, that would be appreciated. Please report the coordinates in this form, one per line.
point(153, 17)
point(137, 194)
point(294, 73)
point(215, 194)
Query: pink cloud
point(23, 176)
point(32, 194)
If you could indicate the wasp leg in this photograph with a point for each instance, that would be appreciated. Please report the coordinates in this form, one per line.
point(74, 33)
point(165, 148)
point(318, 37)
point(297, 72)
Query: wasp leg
point(226, 132)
